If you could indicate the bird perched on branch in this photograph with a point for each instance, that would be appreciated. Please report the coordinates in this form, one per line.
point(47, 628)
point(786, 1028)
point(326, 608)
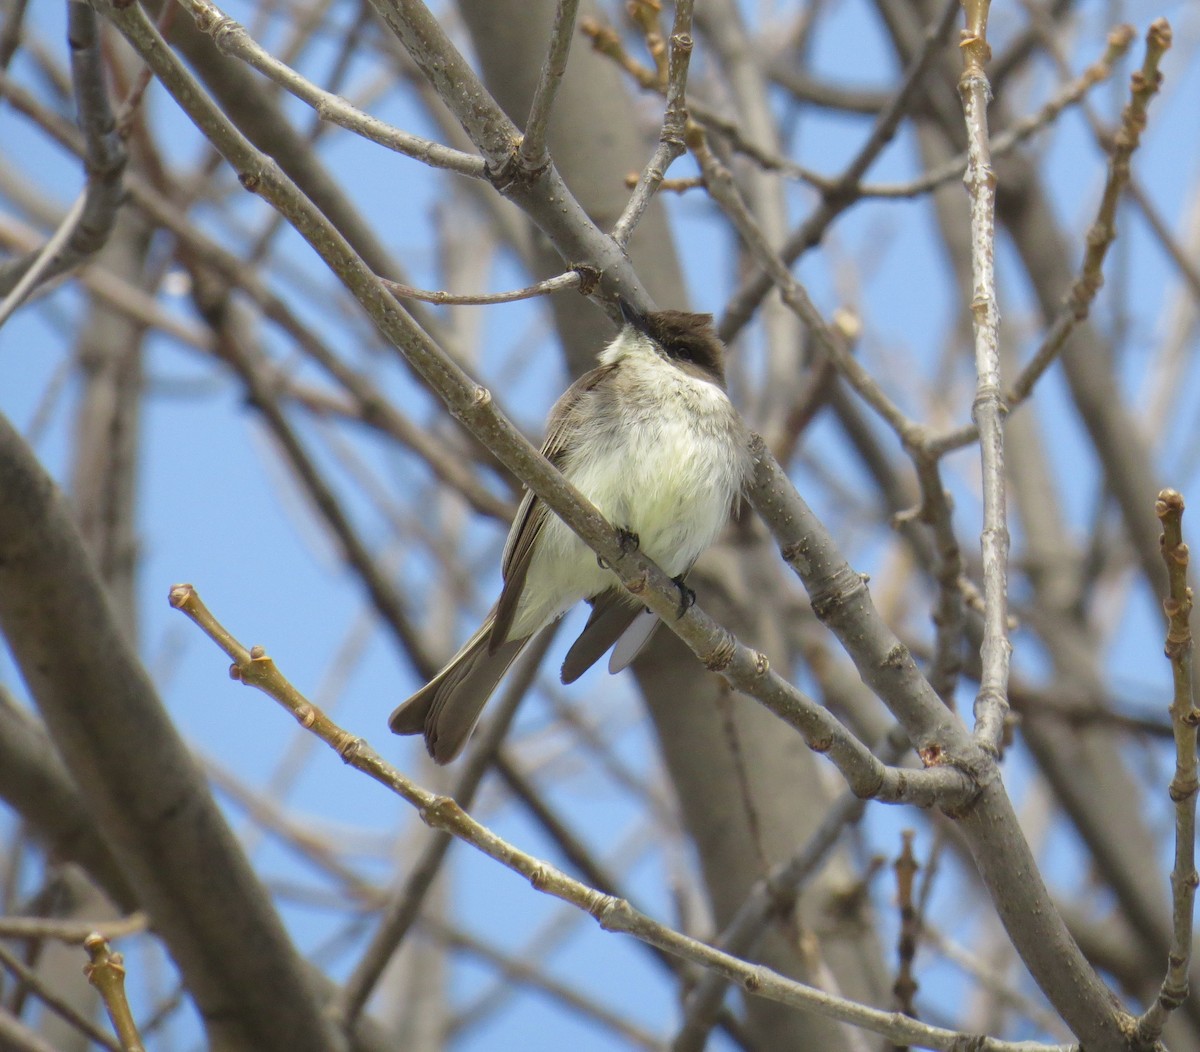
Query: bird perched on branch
point(652, 440)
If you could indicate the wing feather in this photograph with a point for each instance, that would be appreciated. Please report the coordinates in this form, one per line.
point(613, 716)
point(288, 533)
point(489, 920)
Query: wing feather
point(531, 515)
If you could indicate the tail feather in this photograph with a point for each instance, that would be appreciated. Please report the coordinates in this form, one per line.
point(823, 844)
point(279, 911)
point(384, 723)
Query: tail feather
point(447, 708)
point(613, 611)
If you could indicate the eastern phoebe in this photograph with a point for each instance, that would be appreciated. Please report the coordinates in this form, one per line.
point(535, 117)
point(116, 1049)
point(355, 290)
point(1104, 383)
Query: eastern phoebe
point(651, 438)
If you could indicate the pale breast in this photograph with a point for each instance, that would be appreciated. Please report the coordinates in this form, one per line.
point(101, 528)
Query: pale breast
point(674, 459)
point(662, 454)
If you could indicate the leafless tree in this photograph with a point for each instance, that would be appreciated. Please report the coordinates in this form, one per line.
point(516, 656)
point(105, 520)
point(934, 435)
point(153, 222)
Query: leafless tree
point(952, 808)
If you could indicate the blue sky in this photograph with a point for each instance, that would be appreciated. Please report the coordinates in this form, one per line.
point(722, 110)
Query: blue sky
point(217, 510)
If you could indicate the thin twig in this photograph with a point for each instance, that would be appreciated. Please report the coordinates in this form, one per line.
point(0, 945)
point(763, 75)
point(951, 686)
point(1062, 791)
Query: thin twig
point(720, 184)
point(572, 279)
point(581, 857)
point(41, 263)
point(671, 136)
point(30, 980)
point(906, 867)
point(991, 703)
point(1078, 302)
point(71, 931)
point(1144, 86)
point(673, 186)
point(517, 971)
point(1022, 128)
point(608, 42)
point(950, 612)
point(777, 890)
point(840, 194)
point(106, 972)
point(533, 152)
point(645, 15)
point(405, 907)
point(232, 38)
point(1185, 784)
point(83, 233)
point(993, 983)
point(541, 193)
point(254, 668)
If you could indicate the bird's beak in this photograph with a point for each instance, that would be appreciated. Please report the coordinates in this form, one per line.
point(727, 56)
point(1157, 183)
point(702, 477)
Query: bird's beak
point(632, 315)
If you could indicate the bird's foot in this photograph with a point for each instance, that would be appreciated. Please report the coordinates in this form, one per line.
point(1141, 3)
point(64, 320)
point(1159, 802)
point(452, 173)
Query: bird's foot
point(687, 596)
point(629, 542)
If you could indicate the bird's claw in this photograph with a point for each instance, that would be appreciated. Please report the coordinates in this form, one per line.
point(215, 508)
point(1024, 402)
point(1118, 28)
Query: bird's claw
point(687, 596)
point(629, 542)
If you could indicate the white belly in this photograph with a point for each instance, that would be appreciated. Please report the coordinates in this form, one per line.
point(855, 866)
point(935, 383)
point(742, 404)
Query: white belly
point(667, 470)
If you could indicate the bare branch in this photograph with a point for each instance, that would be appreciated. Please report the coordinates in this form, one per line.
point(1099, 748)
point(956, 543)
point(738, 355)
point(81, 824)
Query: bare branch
point(137, 777)
point(254, 668)
point(90, 221)
point(30, 980)
point(988, 410)
point(534, 154)
point(232, 39)
point(573, 279)
point(670, 138)
point(405, 907)
point(1184, 786)
point(1078, 301)
point(40, 266)
point(106, 973)
point(1119, 41)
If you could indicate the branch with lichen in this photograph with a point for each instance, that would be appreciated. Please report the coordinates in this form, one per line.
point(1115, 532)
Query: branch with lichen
point(1185, 784)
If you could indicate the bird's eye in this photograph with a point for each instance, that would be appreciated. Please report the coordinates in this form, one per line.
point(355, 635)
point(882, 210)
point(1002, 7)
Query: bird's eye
point(681, 349)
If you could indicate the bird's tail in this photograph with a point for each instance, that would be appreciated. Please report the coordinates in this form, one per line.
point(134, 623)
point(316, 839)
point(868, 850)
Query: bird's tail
point(447, 708)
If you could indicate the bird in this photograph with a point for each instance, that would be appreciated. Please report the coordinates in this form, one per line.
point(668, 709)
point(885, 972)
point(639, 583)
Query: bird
point(651, 438)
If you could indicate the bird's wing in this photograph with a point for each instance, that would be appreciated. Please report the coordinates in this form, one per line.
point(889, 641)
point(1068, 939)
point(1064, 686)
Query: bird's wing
point(531, 515)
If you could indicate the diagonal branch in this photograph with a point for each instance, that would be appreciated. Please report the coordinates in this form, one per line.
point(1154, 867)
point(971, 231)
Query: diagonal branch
point(473, 406)
point(255, 668)
point(104, 164)
point(137, 778)
point(541, 193)
point(232, 38)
